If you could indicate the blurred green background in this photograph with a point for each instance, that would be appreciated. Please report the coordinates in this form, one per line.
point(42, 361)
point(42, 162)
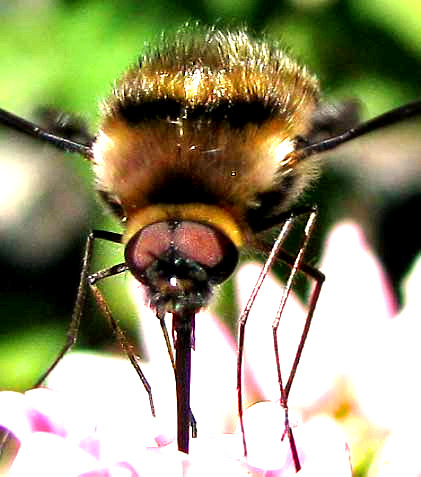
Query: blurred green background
point(66, 54)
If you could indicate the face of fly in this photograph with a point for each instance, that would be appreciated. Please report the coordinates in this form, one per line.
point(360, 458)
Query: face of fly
point(194, 155)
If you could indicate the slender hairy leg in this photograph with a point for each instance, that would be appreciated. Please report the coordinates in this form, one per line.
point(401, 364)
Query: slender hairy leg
point(297, 264)
point(119, 333)
point(73, 330)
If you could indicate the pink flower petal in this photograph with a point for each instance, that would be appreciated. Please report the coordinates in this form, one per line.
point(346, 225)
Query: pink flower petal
point(121, 469)
point(391, 354)
point(321, 444)
point(264, 428)
point(354, 300)
point(120, 410)
point(67, 415)
point(44, 455)
point(14, 415)
point(42, 410)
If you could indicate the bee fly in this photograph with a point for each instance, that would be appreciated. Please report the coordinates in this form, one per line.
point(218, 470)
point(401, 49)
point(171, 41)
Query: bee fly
point(203, 145)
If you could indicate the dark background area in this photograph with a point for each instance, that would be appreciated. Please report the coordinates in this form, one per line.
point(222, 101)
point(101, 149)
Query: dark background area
point(66, 54)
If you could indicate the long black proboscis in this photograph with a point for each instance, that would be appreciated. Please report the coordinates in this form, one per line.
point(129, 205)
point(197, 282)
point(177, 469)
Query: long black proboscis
point(183, 326)
point(32, 129)
point(387, 119)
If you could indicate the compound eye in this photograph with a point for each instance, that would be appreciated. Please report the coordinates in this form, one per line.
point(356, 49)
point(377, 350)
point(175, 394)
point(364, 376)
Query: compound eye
point(182, 242)
point(147, 246)
point(208, 247)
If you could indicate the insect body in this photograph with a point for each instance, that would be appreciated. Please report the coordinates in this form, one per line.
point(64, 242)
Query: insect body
point(204, 144)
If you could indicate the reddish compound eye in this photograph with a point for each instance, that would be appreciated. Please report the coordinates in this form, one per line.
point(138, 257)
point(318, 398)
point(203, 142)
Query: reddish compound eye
point(146, 246)
point(203, 244)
